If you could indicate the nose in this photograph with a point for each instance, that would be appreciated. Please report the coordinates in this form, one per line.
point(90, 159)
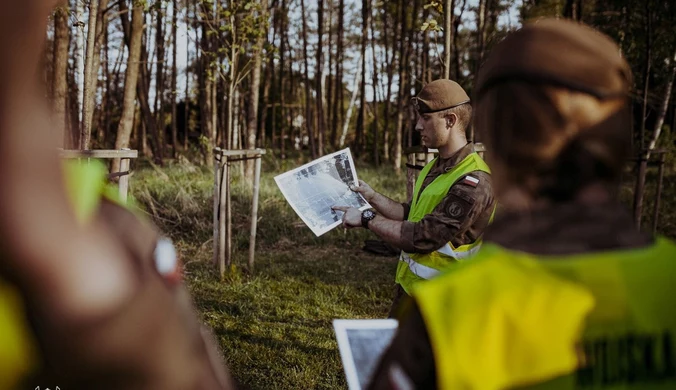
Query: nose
point(418, 125)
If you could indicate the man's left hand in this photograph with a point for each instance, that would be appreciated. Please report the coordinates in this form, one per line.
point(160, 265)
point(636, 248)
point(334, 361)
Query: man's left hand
point(352, 216)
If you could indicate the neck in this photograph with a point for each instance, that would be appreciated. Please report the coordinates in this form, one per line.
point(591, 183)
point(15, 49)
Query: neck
point(457, 142)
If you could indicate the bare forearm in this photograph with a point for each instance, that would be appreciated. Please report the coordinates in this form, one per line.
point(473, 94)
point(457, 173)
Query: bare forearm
point(387, 207)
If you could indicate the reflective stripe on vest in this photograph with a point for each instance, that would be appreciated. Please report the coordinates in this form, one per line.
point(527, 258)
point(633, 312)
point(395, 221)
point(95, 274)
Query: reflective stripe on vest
point(414, 267)
point(509, 319)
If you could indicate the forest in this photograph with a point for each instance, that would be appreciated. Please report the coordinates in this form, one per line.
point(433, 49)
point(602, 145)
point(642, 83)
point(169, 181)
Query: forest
point(180, 77)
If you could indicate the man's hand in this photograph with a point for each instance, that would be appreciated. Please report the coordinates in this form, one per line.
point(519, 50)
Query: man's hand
point(365, 190)
point(352, 216)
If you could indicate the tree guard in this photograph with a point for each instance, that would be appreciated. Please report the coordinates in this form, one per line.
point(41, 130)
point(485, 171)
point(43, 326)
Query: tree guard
point(124, 155)
point(222, 207)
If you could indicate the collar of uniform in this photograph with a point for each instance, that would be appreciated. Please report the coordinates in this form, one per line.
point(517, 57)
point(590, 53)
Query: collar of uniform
point(446, 164)
point(566, 229)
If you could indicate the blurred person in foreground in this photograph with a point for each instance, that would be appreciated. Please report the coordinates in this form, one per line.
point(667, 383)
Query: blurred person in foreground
point(90, 294)
point(565, 292)
point(452, 199)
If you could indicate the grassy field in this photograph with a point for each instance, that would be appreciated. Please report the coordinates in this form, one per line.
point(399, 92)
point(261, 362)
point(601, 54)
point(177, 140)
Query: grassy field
point(275, 326)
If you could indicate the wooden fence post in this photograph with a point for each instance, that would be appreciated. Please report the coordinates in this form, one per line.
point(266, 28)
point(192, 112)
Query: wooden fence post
point(222, 216)
point(638, 191)
point(254, 212)
point(658, 195)
point(123, 184)
point(217, 199)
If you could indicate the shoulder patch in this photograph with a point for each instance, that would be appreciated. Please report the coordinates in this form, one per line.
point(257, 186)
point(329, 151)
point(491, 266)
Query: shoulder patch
point(470, 181)
point(457, 209)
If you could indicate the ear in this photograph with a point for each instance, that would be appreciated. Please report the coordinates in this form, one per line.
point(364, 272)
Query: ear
point(451, 120)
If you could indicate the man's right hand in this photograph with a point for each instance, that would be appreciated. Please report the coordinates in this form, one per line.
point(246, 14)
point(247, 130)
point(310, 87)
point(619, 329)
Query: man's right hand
point(365, 190)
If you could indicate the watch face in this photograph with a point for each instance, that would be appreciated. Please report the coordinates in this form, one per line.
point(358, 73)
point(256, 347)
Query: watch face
point(369, 214)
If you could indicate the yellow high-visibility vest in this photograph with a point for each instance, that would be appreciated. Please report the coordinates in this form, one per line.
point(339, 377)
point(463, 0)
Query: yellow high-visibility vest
point(509, 319)
point(414, 267)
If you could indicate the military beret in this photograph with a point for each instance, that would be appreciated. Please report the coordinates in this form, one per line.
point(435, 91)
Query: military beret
point(440, 95)
point(561, 53)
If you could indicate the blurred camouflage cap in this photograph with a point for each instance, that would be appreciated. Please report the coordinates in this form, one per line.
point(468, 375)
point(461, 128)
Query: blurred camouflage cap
point(561, 53)
point(439, 95)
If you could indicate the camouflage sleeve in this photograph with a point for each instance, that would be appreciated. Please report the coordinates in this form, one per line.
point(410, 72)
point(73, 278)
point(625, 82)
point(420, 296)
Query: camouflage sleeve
point(409, 362)
point(407, 209)
point(465, 206)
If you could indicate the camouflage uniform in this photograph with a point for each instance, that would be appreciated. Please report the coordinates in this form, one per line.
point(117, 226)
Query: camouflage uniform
point(459, 219)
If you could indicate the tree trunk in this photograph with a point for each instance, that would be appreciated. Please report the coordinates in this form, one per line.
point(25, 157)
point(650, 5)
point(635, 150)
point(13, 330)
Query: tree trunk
point(338, 105)
point(573, 10)
point(411, 73)
point(403, 76)
point(449, 5)
point(143, 84)
point(361, 117)
point(645, 156)
point(89, 88)
point(646, 74)
point(130, 83)
point(159, 75)
point(330, 79)
point(390, 74)
point(456, 46)
point(252, 125)
point(60, 77)
point(174, 76)
point(663, 108)
point(376, 137)
point(321, 121)
point(282, 52)
point(308, 113)
point(93, 76)
point(205, 75)
point(355, 88)
point(80, 65)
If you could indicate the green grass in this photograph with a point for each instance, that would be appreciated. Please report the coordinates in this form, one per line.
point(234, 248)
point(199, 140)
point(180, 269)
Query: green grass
point(274, 326)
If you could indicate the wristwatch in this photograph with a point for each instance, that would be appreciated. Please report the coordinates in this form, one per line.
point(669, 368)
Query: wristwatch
point(366, 216)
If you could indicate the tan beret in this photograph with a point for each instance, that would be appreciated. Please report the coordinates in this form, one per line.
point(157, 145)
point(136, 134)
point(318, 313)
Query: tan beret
point(440, 95)
point(558, 52)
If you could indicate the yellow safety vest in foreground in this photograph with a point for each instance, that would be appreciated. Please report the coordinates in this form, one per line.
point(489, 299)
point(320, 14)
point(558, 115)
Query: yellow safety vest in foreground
point(414, 267)
point(513, 320)
point(85, 185)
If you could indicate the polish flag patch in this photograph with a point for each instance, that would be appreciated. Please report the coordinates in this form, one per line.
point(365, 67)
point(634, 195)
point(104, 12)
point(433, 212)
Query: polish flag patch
point(470, 181)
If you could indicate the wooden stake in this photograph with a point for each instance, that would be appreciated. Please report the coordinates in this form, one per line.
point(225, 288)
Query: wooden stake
point(217, 200)
point(222, 217)
point(658, 195)
point(228, 216)
point(123, 186)
point(638, 193)
point(254, 212)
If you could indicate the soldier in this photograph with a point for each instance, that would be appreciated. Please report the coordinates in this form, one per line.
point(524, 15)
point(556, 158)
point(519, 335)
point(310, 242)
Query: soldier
point(452, 200)
point(565, 292)
point(89, 292)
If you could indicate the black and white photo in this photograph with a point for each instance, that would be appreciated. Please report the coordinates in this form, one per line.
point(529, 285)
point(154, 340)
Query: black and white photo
point(314, 188)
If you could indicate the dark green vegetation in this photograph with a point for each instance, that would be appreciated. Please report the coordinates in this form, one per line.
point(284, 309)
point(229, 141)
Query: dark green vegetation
point(274, 326)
